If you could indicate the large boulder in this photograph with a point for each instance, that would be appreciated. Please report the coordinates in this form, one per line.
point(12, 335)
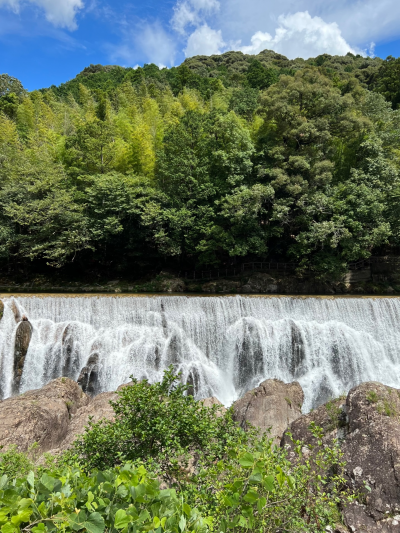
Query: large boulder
point(271, 406)
point(23, 338)
point(368, 424)
point(41, 416)
point(98, 408)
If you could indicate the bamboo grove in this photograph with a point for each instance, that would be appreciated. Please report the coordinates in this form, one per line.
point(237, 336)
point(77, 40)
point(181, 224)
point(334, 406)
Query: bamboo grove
point(221, 159)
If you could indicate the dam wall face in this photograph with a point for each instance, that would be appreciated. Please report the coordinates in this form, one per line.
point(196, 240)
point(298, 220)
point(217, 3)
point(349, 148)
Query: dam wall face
point(223, 346)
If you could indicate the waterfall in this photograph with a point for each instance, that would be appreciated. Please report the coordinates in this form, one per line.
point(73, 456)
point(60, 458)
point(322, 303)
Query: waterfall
point(223, 346)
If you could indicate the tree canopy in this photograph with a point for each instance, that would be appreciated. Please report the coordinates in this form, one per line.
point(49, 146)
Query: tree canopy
point(221, 159)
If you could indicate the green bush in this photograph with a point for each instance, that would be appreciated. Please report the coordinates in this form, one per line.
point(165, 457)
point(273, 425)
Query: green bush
point(14, 463)
point(239, 480)
point(161, 425)
point(123, 499)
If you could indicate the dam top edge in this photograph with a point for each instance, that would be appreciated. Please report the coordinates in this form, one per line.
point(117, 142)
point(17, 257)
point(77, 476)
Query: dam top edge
point(192, 295)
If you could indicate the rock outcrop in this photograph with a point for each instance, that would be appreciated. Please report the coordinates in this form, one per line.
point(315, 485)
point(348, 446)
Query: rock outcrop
point(41, 416)
point(88, 378)
point(273, 405)
point(368, 424)
point(23, 338)
point(210, 402)
point(98, 408)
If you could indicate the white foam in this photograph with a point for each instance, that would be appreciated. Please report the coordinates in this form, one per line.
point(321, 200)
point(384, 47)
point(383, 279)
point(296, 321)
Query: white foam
point(227, 344)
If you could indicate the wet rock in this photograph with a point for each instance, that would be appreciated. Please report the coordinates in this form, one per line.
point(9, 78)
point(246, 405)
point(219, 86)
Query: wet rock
point(14, 308)
point(368, 424)
point(273, 405)
point(260, 283)
point(23, 338)
point(70, 357)
point(41, 416)
point(88, 378)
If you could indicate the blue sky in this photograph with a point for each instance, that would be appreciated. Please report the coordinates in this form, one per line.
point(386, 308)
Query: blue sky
point(45, 42)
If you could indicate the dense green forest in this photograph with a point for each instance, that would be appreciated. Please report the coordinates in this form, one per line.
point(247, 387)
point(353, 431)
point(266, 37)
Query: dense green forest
point(222, 159)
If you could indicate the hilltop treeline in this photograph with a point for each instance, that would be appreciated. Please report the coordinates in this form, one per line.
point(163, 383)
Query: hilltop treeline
point(220, 159)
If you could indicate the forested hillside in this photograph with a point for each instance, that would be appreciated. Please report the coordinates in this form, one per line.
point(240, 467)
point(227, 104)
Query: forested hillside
point(221, 159)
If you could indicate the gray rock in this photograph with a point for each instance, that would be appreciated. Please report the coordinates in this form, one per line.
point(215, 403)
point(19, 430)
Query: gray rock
point(88, 377)
point(210, 402)
point(273, 405)
point(41, 416)
point(369, 426)
point(23, 338)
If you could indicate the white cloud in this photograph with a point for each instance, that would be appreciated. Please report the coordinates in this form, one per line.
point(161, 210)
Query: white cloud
point(59, 12)
point(204, 41)
point(360, 21)
point(300, 35)
point(192, 13)
point(148, 43)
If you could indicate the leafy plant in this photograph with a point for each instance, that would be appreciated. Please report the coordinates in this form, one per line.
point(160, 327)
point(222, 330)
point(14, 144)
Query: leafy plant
point(14, 463)
point(161, 424)
point(123, 499)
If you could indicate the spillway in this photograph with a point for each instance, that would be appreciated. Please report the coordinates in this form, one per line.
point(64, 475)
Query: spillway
point(223, 346)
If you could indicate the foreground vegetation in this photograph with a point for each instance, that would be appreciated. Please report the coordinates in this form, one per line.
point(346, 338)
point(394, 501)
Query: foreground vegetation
point(215, 477)
point(218, 160)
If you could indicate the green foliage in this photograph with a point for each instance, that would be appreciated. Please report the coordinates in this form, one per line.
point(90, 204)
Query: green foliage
point(259, 77)
point(221, 159)
point(123, 499)
point(159, 424)
point(14, 463)
point(256, 488)
point(388, 81)
point(372, 396)
point(239, 480)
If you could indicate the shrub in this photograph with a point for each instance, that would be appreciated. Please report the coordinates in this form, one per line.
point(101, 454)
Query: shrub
point(239, 480)
point(161, 425)
point(14, 463)
point(123, 499)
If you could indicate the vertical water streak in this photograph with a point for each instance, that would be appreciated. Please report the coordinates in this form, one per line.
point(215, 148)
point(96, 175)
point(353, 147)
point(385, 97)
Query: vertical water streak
point(222, 345)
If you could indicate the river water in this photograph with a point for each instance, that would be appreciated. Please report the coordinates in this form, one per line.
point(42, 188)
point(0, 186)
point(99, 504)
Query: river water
point(223, 346)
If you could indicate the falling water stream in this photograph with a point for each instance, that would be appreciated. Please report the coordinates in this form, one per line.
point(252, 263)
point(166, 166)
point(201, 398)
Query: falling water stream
point(223, 346)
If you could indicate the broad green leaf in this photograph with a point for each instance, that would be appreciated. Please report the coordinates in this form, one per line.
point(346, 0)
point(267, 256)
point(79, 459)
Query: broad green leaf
point(186, 509)
point(9, 528)
point(246, 460)
point(3, 481)
point(48, 482)
point(121, 519)
point(251, 497)
point(261, 503)
point(182, 523)
point(22, 517)
point(268, 483)
point(243, 521)
point(281, 478)
point(40, 528)
point(31, 479)
point(94, 523)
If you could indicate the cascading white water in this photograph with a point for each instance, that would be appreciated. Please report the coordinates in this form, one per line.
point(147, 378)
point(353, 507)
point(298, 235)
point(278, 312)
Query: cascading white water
point(224, 346)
